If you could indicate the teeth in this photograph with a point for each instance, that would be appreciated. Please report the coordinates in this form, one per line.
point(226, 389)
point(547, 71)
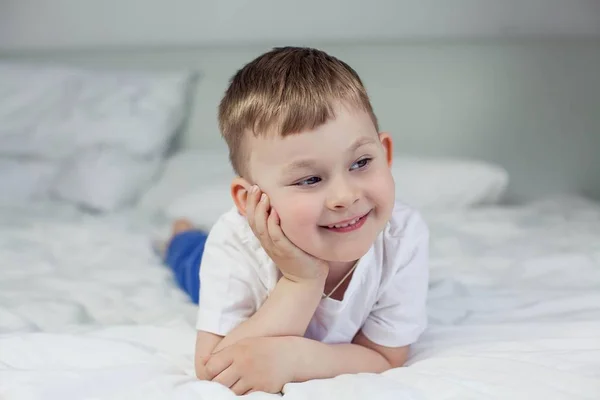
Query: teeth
point(355, 220)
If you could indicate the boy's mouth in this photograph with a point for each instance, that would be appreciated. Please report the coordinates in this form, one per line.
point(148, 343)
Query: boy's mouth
point(348, 225)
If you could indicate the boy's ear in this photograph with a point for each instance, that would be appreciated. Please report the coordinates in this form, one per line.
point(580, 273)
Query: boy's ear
point(239, 193)
point(388, 147)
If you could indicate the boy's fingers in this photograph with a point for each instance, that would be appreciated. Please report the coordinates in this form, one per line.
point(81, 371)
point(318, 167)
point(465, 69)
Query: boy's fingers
point(217, 364)
point(257, 213)
point(228, 377)
point(277, 236)
point(260, 220)
point(251, 205)
point(241, 387)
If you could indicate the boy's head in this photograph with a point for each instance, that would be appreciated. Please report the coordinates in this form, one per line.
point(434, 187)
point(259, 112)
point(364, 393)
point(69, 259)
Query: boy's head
point(299, 124)
point(283, 92)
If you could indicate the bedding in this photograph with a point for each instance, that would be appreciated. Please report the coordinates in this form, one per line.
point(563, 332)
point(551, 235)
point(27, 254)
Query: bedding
point(183, 173)
point(441, 183)
point(88, 311)
point(77, 120)
point(103, 180)
point(24, 179)
point(53, 111)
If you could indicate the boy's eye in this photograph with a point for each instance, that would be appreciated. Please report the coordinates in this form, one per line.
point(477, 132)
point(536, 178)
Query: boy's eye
point(361, 163)
point(309, 181)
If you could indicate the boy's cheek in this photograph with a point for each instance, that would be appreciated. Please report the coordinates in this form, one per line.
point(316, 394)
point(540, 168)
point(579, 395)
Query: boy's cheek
point(296, 220)
point(286, 206)
point(295, 211)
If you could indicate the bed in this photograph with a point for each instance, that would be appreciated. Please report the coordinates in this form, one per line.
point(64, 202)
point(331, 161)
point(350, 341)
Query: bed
point(87, 310)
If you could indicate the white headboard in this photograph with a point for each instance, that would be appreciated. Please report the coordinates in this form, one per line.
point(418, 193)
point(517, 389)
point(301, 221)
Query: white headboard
point(531, 106)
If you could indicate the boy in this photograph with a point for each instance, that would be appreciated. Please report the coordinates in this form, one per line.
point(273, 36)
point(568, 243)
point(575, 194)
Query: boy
point(316, 271)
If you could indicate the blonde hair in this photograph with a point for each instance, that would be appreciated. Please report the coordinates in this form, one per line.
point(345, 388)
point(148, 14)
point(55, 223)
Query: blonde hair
point(286, 90)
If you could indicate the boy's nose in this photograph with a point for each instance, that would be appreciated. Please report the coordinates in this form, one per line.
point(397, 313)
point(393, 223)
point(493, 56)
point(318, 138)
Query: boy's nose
point(342, 195)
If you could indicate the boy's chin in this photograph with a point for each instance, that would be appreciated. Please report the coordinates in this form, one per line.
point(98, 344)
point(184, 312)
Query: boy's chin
point(345, 254)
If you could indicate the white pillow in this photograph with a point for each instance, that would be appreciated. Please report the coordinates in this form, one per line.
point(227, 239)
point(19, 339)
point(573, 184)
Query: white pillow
point(107, 131)
point(53, 112)
point(189, 189)
point(448, 183)
point(102, 180)
point(183, 172)
point(23, 179)
point(203, 206)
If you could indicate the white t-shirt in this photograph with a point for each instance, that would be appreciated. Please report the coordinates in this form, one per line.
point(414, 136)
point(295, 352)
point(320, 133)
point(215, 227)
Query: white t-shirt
point(385, 298)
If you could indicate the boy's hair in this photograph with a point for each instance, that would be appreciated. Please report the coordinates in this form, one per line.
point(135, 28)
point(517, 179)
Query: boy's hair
point(285, 91)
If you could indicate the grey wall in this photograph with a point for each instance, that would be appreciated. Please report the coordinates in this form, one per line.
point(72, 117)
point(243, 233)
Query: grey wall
point(77, 23)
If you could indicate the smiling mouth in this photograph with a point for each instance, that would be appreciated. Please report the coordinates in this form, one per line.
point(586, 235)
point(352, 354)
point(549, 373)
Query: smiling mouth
point(348, 226)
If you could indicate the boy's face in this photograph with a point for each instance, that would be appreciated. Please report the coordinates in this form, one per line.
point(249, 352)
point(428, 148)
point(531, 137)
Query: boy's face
point(329, 176)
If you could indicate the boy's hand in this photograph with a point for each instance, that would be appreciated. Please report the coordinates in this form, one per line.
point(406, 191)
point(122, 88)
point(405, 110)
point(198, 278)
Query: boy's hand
point(262, 364)
point(294, 263)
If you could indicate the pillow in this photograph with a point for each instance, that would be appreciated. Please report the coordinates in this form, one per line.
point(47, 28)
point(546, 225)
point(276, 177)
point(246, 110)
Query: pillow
point(202, 206)
point(105, 132)
point(448, 183)
point(23, 179)
point(183, 172)
point(104, 181)
point(53, 112)
point(202, 194)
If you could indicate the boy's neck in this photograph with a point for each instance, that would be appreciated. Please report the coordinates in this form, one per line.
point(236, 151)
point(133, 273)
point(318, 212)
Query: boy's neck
point(340, 267)
point(337, 271)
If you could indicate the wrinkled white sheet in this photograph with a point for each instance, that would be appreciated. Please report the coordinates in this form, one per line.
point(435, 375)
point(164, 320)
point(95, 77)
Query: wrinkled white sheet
point(87, 311)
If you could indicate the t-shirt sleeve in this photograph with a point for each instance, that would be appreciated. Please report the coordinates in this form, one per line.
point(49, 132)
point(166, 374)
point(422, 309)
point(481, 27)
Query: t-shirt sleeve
point(399, 316)
point(230, 288)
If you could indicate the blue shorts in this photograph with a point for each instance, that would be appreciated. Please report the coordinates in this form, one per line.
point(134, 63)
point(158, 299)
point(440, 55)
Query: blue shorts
point(183, 256)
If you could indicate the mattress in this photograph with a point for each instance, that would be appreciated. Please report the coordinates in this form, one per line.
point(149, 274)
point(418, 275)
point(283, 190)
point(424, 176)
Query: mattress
point(88, 311)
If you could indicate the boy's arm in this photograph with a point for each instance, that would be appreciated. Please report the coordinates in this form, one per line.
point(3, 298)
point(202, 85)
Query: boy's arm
point(316, 360)
point(287, 311)
point(268, 363)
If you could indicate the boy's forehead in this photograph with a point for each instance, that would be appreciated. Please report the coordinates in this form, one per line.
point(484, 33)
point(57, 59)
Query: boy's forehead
point(274, 149)
point(336, 137)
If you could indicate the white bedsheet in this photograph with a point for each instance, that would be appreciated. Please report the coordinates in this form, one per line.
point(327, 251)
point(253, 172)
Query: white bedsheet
point(87, 311)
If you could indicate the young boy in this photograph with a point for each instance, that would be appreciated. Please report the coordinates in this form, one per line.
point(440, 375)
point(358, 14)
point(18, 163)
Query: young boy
point(316, 271)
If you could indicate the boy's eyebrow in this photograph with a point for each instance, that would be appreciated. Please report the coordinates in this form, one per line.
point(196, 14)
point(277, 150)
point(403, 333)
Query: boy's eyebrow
point(308, 164)
point(300, 164)
point(361, 142)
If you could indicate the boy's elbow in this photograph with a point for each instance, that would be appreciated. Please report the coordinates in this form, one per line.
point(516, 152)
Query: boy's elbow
point(386, 362)
point(397, 357)
point(397, 362)
point(392, 357)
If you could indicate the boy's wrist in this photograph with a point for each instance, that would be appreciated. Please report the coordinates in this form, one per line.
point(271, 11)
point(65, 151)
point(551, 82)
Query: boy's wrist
point(295, 346)
point(315, 282)
point(300, 300)
point(313, 275)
